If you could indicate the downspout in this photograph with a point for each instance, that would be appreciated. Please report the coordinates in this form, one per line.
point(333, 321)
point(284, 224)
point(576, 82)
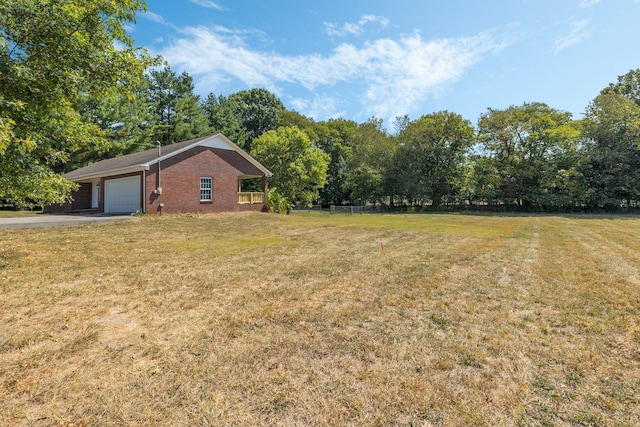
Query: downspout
point(144, 191)
point(159, 188)
point(159, 155)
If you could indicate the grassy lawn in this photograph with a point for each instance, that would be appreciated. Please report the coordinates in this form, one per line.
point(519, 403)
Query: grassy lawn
point(16, 214)
point(314, 319)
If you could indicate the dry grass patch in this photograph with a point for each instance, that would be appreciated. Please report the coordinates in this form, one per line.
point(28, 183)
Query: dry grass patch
point(16, 214)
point(311, 319)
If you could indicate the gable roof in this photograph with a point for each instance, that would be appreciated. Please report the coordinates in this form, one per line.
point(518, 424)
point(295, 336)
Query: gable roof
point(140, 161)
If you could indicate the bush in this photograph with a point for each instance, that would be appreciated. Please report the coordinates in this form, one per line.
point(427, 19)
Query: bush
point(278, 203)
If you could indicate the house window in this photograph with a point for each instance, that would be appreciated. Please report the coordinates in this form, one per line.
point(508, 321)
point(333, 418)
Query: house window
point(206, 189)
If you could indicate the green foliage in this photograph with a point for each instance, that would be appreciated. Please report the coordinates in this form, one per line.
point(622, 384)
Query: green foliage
point(277, 202)
point(299, 169)
point(178, 115)
point(222, 114)
point(288, 118)
point(126, 120)
point(358, 162)
point(258, 109)
point(432, 153)
point(612, 126)
point(529, 144)
point(51, 55)
point(337, 137)
point(363, 184)
point(371, 152)
point(627, 85)
point(159, 106)
point(481, 181)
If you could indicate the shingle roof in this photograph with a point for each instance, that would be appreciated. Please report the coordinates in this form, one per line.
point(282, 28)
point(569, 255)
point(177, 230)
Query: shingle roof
point(142, 159)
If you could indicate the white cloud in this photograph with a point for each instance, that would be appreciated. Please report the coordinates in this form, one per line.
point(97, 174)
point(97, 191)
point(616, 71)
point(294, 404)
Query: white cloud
point(207, 3)
point(319, 106)
point(589, 3)
point(578, 34)
point(154, 17)
point(354, 29)
point(389, 77)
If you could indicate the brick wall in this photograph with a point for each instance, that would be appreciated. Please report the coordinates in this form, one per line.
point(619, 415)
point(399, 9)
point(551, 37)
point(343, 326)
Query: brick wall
point(81, 200)
point(63, 208)
point(180, 183)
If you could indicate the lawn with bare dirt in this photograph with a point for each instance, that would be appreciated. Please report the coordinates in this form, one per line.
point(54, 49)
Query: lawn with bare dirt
point(318, 319)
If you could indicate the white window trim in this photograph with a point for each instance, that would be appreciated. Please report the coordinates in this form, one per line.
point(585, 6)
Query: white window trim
point(203, 187)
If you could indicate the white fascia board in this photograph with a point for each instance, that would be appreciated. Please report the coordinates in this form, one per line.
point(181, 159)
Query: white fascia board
point(121, 171)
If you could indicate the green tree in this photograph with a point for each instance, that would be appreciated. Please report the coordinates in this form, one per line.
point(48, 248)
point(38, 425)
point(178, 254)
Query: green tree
point(337, 137)
point(259, 110)
point(223, 118)
point(178, 114)
point(628, 85)
point(481, 180)
point(372, 149)
point(53, 53)
point(526, 142)
point(299, 169)
point(126, 120)
point(612, 126)
point(289, 118)
point(433, 149)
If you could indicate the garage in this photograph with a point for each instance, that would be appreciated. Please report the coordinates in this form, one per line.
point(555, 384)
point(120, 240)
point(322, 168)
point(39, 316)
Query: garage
point(122, 195)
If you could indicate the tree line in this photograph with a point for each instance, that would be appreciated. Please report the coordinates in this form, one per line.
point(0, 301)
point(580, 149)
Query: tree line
point(70, 96)
point(530, 157)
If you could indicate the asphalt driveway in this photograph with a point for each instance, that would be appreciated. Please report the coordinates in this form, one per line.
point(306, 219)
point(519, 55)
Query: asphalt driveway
point(57, 220)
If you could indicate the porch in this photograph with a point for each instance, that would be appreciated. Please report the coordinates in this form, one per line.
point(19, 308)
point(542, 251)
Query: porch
point(249, 190)
point(250, 197)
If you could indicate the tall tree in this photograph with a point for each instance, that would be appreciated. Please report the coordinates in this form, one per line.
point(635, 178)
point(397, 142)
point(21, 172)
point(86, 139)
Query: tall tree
point(433, 151)
point(299, 169)
point(52, 53)
point(290, 118)
point(337, 137)
point(481, 180)
point(222, 115)
point(259, 110)
point(126, 120)
point(372, 150)
point(523, 140)
point(612, 126)
point(177, 112)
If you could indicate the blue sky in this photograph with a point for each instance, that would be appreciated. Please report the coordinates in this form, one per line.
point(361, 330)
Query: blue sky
point(360, 58)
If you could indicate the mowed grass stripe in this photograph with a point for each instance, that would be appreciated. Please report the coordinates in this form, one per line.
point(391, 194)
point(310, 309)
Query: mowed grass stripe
point(317, 319)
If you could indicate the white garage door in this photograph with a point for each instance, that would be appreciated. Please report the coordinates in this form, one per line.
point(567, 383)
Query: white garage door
point(122, 195)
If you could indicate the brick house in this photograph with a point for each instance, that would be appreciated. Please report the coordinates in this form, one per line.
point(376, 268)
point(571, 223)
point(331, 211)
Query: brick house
point(206, 174)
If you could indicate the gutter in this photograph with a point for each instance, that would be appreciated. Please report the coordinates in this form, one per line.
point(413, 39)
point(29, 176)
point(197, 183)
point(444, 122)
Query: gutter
point(120, 171)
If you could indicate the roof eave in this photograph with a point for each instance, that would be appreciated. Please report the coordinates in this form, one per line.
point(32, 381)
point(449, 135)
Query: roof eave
point(111, 172)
